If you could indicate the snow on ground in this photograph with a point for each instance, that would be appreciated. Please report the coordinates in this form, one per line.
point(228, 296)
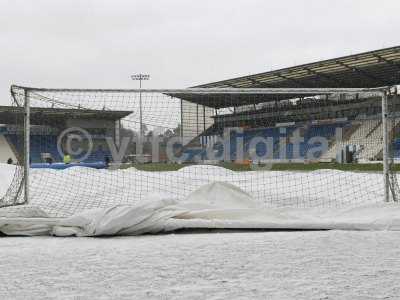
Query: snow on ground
point(131, 202)
point(245, 265)
point(65, 192)
point(234, 265)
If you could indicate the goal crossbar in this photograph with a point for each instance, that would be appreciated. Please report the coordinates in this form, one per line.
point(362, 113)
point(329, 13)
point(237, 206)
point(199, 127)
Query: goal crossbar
point(266, 91)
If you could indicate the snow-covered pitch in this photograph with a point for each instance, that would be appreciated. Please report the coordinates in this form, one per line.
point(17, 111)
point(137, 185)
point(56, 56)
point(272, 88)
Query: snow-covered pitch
point(248, 265)
point(204, 264)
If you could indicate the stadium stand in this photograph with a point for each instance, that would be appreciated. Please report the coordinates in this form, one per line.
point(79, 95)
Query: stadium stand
point(44, 139)
point(357, 117)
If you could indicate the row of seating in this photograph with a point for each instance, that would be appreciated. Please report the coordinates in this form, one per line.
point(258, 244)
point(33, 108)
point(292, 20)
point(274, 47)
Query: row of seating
point(281, 147)
point(41, 145)
point(47, 144)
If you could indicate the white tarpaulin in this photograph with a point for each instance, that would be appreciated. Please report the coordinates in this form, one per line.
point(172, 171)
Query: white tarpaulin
point(216, 205)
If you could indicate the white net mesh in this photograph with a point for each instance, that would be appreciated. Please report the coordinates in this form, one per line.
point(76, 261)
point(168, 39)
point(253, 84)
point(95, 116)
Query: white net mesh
point(96, 148)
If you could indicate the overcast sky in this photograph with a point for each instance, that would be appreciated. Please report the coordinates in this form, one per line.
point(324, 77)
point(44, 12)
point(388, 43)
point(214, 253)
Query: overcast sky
point(181, 43)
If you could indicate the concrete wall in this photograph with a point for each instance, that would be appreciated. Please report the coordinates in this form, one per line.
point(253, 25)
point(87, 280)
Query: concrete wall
point(5, 150)
point(195, 118)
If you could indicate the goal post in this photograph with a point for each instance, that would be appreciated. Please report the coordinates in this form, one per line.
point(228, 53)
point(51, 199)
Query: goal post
point(391, 142)
point(277, 144)
point(27, 143)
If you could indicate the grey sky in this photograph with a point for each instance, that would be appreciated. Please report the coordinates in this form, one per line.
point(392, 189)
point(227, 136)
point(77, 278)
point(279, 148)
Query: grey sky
point(180, 43)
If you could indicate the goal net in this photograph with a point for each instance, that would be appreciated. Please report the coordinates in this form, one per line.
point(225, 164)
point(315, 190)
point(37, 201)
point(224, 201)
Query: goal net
point(82, 149)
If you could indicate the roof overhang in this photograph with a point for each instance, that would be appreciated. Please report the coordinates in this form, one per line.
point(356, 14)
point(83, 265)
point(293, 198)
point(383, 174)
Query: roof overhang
point(365, 70)
point(39, 115)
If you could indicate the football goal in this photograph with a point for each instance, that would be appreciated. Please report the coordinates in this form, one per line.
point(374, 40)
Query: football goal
point(79, 149)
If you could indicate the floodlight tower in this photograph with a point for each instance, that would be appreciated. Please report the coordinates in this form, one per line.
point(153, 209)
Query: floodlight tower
point(140, 77)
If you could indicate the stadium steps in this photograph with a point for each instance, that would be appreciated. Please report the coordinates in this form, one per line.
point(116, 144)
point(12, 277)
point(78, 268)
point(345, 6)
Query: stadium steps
point(374, 129)
point(373, 150)
point(350, 131)
point(351, 134)
point(372, 144)
point(336, 146)
point(364, 130)
point(395, 142)
point(330, 154)
point(364, 137)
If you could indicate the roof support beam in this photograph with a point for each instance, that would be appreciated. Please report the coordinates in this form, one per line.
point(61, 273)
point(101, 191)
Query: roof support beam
point(387, 61)
point(362, 72)
point(259, 84)
point(232, 85)
point(337, 82)
point(253, 80)
point(290, 79)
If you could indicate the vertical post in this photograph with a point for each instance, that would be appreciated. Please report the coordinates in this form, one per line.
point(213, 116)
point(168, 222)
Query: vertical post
point(27, 128)
point(117, 133)
point(204, 126)
point(181, 133)
point(197, 119)
point(204, 118)
point(140, 77)
point(140, 109)
point(385, 150)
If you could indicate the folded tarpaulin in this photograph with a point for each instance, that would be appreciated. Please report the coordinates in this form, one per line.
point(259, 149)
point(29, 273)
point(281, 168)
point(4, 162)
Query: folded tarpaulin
point(218, 205)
